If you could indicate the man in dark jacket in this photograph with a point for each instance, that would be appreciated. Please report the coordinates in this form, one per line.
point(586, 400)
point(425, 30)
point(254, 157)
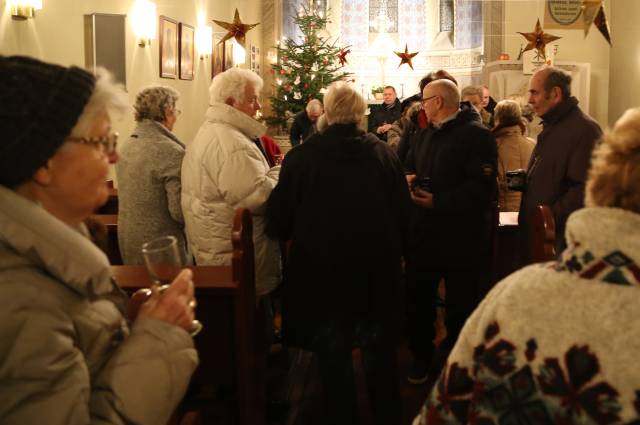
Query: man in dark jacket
point(454, 162)
point(558, 166)
point(390, 111)
point(304, 122)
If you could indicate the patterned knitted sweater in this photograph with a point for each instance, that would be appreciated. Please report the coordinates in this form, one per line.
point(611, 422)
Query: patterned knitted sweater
point(554, 343)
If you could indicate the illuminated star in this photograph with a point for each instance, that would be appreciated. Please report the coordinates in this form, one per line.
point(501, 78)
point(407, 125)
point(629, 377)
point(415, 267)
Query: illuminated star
point(236, 29)
point(406, 57)
point(342, 56)
point(538, 40)
point(593, 13)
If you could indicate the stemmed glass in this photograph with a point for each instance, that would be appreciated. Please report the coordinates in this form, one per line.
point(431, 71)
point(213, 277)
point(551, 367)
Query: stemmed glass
point(164, 263)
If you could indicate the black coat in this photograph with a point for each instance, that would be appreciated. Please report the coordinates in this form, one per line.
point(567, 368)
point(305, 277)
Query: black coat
point(461, 160)
point(380, 115)
point(301, 128)
point(343, 202)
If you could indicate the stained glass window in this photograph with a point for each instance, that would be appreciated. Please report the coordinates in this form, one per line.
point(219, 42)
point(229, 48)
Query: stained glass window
point(355, 23)
point(446, 15)
point(411, 23)
point(383, 16)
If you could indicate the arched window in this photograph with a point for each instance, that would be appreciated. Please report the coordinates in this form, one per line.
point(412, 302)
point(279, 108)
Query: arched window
point(383, 16)
point(446, 16)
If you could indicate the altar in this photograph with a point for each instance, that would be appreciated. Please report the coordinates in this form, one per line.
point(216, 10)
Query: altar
point(506, 80)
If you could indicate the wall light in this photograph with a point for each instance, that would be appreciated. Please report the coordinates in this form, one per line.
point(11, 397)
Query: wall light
point(239, 53)
point(144, 19)
point(204, 40)
point(24, 9)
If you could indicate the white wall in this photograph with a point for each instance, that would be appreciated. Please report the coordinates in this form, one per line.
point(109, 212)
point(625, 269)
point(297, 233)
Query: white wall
point(521, 15)
point(624, 85)
point(57, 35)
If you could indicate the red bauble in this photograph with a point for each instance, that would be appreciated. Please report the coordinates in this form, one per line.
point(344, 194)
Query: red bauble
point(325, 61)
point(285, 59)
point(282, 72)
point(306, 85)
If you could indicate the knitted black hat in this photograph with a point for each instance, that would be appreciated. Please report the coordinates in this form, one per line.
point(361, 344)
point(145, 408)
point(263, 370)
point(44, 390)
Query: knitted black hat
point(40, 103)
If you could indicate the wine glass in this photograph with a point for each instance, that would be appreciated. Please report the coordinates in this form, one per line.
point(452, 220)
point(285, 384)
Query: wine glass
point(164, 263)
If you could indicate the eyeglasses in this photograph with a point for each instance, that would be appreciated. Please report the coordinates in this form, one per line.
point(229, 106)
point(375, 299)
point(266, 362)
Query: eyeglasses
point(107, 144)
point(424, 101)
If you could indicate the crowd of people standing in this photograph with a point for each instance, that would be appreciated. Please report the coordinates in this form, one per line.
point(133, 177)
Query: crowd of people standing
point(373, 223)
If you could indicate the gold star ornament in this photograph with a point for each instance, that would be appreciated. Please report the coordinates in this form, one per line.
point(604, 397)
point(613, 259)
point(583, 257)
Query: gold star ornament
point(538, 40)
point(406, 57)
point(593, 13)
point(236, 29)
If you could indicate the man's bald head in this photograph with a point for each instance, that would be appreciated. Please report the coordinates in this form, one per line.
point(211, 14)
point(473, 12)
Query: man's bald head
point(446, 89)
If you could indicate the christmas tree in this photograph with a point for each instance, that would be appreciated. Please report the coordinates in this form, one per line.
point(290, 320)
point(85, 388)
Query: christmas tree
point(305, 68)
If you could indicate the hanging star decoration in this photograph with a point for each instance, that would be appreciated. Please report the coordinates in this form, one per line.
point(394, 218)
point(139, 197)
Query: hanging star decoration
point(236, 29)
point(593, 13)
point(342, 56)
point(406, 57)
point(538, 40)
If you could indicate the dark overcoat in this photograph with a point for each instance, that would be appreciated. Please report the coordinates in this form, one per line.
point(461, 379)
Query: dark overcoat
point(343, 202)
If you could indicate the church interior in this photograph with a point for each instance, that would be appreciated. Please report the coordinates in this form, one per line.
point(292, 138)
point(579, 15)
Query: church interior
point(372, 45)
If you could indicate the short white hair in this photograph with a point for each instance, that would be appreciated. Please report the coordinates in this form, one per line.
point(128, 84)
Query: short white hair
point(107, 96)
point(314, 105)
point(233, 84)
point(343, 104)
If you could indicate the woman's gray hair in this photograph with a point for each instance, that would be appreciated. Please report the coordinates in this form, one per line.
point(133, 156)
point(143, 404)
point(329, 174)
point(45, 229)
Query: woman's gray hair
point(153, 102)
point(343, 104)
point(507, 113)
point(232, 84)
point(108, 96)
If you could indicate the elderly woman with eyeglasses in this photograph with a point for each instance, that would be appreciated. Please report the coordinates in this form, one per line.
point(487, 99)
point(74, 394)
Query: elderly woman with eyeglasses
point(148, 175)
point(68, 352)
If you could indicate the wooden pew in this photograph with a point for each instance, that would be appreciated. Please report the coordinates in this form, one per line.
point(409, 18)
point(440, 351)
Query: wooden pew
point(227, 346)
point(111, 206)
point(543, 237)
point(110, 243)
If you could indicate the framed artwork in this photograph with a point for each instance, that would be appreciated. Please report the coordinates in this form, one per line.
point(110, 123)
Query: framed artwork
point(217, 58)
point(228, 54)
point(254, 59)
point(168, 48)
point(186, 51)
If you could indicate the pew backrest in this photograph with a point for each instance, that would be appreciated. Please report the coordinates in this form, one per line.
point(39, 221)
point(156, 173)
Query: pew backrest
point(543, 236)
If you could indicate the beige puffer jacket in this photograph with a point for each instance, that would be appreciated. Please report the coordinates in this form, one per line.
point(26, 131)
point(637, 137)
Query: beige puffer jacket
point(223, 169)
point(67, 354)
point(514, 151)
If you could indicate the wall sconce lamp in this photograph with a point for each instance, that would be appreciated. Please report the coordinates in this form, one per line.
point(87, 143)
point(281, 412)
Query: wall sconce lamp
point(23, 9)
point(239, 53)
point(204, 40)
point(144, 19)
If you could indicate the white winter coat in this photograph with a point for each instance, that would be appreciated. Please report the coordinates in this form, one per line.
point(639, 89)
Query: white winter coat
point(223, 170)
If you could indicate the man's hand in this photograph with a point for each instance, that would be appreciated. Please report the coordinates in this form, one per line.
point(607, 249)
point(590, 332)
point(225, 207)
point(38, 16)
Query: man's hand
point(422, 198)
point(410, 179)
point(383, 128)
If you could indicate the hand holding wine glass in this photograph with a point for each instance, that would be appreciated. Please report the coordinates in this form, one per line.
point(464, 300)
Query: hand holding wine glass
point(171, 298)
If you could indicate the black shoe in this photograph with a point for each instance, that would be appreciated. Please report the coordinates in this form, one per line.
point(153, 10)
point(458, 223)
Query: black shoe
point(419, 371)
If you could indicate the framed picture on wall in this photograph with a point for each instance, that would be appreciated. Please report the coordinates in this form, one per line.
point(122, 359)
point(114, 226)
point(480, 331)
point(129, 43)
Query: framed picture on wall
point(186, 51)
point(168, 48)
point(228, 54)
point(217, 58)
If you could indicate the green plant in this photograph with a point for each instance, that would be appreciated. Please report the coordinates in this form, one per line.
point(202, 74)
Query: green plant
point(377, 89)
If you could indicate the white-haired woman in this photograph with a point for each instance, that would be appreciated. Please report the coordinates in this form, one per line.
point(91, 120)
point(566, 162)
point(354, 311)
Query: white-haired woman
point(514, 150)
point(559, 342)
point(225, 168)
point(149, 176)
point(342, 201)
point(70, 354)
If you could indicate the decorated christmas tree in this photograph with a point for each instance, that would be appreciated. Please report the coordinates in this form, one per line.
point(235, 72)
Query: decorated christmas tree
point(306, 67)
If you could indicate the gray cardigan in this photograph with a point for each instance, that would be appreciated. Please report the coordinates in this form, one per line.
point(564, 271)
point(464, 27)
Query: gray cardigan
point(149, 190)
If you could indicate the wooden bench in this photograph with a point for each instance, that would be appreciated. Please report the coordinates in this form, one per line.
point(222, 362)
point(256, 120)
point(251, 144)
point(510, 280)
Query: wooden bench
point(230, 355)
point(543, 236)
point(110, 243)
